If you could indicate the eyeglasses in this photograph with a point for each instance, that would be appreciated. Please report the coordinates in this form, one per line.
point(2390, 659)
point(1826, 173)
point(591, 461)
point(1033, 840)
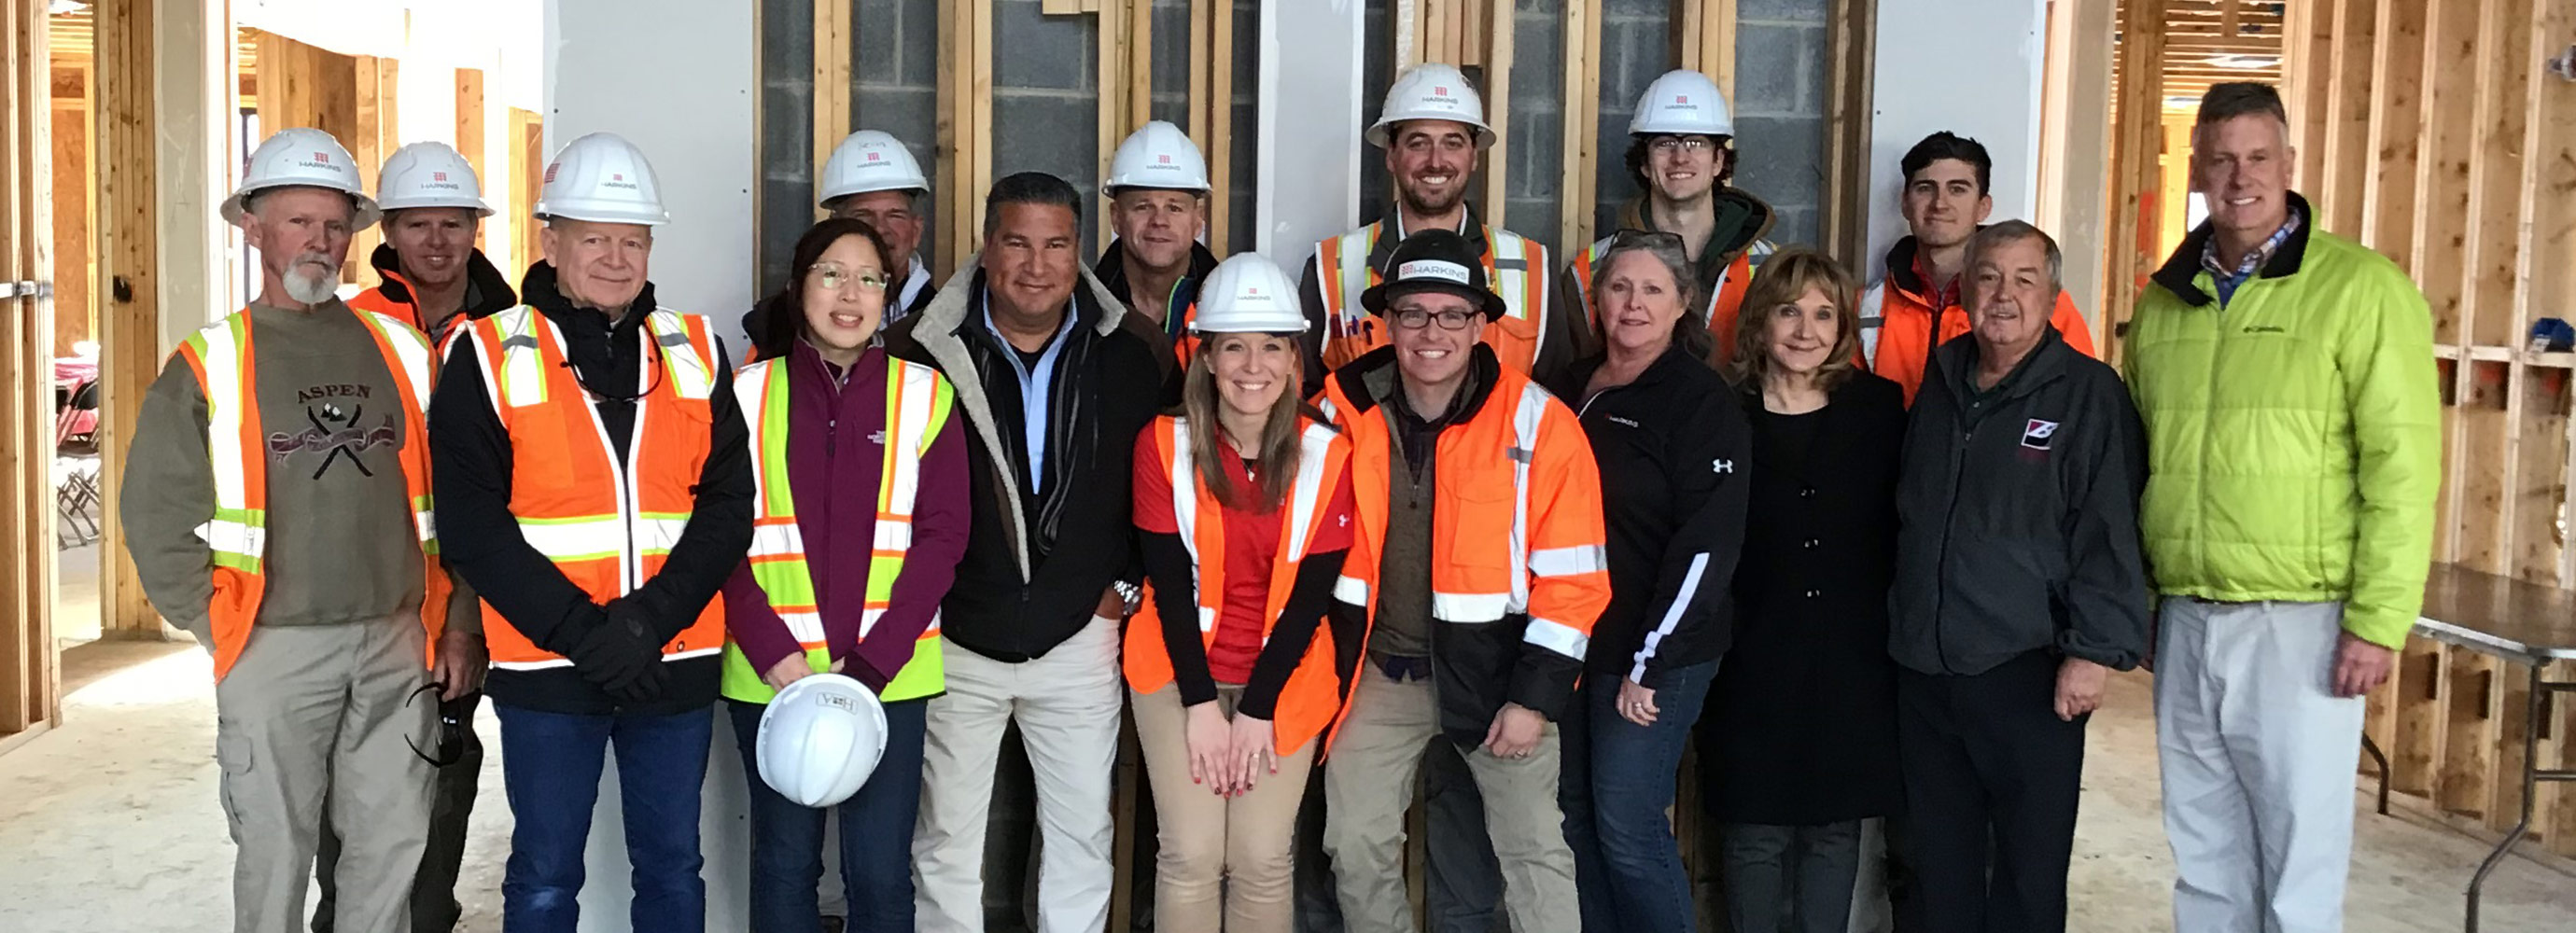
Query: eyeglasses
point(834, 278)
point(1672, 144)
point(1419, 318)
point(450, 744)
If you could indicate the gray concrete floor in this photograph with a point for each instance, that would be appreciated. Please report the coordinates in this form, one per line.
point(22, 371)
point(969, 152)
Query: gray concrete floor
point(110, 824)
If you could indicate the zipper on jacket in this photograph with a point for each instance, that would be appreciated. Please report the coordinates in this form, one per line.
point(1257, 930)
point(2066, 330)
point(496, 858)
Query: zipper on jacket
point(1941, 567)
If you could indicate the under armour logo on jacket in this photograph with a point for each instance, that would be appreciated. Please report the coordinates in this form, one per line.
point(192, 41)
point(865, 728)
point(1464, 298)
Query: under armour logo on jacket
point(1721, 466)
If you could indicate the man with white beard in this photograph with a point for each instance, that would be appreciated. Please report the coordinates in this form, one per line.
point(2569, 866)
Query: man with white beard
point(277, 507)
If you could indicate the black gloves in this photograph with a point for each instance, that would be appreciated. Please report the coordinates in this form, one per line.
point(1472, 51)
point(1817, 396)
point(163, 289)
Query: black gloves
point(620, 654)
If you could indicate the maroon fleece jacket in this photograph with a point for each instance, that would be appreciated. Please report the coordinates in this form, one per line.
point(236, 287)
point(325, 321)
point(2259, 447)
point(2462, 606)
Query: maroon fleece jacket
point(835, 461)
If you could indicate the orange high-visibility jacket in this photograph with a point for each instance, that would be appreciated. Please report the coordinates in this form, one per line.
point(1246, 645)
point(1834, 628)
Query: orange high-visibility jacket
point(220, 356)
point(1312, 698)
point(1519, 561)
point(1516, 268)
point(1724, 302)
point(608, 528)
point(1898, 320)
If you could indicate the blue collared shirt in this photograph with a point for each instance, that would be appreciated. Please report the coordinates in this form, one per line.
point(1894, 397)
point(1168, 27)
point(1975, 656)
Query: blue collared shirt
point(2226, 279)
point(1035, 394)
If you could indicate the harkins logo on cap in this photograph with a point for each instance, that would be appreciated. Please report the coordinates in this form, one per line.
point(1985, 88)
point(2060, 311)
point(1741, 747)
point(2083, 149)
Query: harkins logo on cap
point(1442, 270)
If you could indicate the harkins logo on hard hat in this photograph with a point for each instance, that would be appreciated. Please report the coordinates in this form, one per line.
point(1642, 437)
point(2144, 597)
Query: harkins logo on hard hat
point(1432, 269)
point(438, 176)
point(1439, 91)
point(1165, 158)
point(873, 156)
point(322, 157)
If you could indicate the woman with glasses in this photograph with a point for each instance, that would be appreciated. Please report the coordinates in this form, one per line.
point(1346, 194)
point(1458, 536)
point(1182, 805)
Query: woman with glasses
point(1682, 154)
point(1674, 454)
point(859, 523)
point(1799, 745)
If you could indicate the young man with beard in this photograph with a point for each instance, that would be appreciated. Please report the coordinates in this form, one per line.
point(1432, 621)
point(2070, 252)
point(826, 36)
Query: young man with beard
point(277, 507)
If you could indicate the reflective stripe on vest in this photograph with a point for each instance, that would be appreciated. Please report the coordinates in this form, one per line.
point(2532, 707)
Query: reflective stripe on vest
point(1310, 699)
point(1725, 296)
point(221, 357)
point(607, 522)
point(1515, 269)
point(918, 404)
point(1529, 409)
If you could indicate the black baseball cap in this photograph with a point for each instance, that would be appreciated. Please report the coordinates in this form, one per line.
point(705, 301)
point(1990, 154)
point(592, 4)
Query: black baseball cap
point(1434, 260)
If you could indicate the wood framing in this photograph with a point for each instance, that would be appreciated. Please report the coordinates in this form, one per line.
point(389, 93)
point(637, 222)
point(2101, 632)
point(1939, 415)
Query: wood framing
point(2348, 95)
point(832, 84)
point(1498, 112)
point(2388, 202)
point(1219, 147)
point(129, 304)
point(1576, 193)
point(29, 680)
point(966, 127)
point(375, 134)
point(527, 176)
point(470, 139)
point(1703, 38)
point(2138, 136)
point(1851, 38)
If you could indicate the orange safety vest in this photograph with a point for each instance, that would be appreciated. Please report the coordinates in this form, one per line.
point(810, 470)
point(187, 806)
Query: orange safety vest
point(220, 355)
point(1516, 268)
point(1725, 301)
point(1896, 332)
point(1312, 697)
point(1520, 529)
point(607, 527)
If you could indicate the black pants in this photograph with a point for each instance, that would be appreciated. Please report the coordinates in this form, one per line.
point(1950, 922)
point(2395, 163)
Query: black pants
point(1991, 778)
point(433, 891)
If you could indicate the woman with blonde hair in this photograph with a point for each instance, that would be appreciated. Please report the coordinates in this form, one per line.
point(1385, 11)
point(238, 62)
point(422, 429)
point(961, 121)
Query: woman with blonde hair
point(1243, 499)
point(1799, 745)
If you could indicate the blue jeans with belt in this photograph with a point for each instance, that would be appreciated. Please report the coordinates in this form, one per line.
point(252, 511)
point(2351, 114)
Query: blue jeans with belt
point(1619, 779)
point(876, 834)
point(550, 765)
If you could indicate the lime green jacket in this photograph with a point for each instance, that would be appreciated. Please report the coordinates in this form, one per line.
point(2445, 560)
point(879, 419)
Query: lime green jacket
point(2294, 435)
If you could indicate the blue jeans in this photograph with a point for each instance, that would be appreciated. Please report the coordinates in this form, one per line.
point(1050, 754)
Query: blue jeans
point(1618, 781)
point(876, 834)
point(550, 765)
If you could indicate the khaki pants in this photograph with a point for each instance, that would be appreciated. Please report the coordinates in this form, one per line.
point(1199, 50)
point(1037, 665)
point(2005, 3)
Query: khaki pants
point(1369, 783)
point(1066, 703)
point(316, 716)
point(1242, 846)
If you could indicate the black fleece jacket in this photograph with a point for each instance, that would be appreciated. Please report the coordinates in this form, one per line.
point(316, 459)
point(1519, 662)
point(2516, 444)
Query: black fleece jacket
point(1676, 456)
point(2017, 515)
point(471, 459)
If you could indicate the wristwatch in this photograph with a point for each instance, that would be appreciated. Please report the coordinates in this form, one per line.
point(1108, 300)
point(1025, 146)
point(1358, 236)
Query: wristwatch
point(1133, 594)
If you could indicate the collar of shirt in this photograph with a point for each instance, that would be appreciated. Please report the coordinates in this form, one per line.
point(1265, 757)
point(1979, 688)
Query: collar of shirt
point(1941, 296)
point(2227, 279)
point(1035, 385)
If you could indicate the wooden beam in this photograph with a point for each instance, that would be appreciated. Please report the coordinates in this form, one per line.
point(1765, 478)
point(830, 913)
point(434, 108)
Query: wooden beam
point(1140, 67)
point(965, 127)
point(527, 177)
point(832, 87)
point(470, 140)
point(1112, 59)
point(1851, 37)
point(128, 289)
point(1703, 39)
point(2308, 65)
point(2138, 132)
point(2468, 751)
point(1220, 146)
point(1208, 113)
point(2388, 203)
point(28, 685)
point(1581, 115)
point(369, 145)
point(1498, 112)
point(2347, 144)
point(2424, 694)
point(2492, 425)
point(2544, 252)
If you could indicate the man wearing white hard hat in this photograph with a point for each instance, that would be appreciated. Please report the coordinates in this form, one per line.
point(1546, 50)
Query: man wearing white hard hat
point(1681, 151)
point(1433, 130)
point(597, 488)
point(1158, 192)
point(432, 277)
point(873, 177)
point(277, 506)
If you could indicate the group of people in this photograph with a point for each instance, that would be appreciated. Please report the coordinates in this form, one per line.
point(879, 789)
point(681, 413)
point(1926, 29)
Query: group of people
point(1439, 512)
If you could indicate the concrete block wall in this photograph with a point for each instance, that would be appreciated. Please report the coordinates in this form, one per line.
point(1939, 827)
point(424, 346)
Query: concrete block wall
point(1780, 78)
point(1046, 102)
point(1535, 151)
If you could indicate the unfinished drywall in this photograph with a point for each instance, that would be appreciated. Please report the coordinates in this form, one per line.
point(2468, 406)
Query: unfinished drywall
point(1972, 67)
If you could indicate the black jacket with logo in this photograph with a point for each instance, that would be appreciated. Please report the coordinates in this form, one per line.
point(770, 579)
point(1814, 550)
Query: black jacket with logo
point(1676, 457)
point(2018, 515)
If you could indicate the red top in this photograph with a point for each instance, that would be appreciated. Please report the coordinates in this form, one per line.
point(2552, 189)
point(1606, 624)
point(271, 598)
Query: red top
point(1251, 550)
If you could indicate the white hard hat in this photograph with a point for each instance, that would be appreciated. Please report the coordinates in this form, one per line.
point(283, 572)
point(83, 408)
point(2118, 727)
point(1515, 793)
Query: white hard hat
point(869, 160)
point(601, 178)
point(1432, 91)
point(820, 739)
point(1682, 101)
point(303, 157)
point(1248, 294)
point(1157, 155)
point(430, 174)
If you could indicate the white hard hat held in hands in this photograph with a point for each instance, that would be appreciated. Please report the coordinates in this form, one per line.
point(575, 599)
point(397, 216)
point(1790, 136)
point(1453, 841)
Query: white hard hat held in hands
point(869, 160)
point(1682, 101)
point(308, 158)
point(1431, 91)
point(1157, 155)
point(1248, 294)
point(601, 178)
point(430, 174)
point(820, 739)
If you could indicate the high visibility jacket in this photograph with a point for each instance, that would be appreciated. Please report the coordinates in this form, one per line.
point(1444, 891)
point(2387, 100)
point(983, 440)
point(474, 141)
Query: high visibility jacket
point(1900, 325)
point(1519, 555)
point(395, 296)
point(1516, 268)
point(918, 402)
point(1725, 300)
point(1312, 698)
point(219, 354)
point(608, 527)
